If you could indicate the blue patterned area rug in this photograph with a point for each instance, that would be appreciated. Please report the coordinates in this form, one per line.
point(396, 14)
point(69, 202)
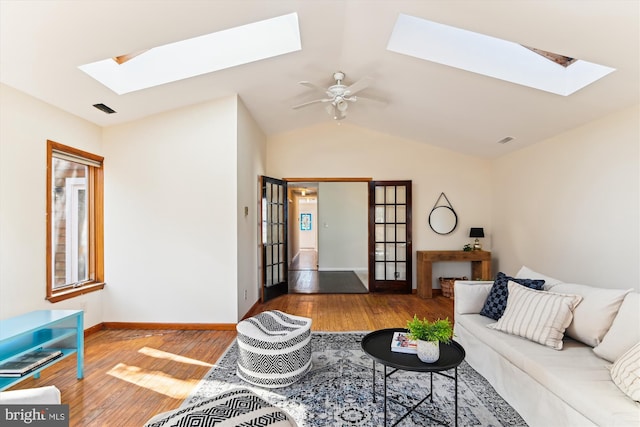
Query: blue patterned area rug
point(338, 390)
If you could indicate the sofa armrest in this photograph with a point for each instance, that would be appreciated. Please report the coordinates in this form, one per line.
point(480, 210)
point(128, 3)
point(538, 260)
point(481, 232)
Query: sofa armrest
point(49, 395)
point(470, 295)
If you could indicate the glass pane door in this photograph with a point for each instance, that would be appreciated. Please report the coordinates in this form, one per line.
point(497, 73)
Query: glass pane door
point(273, 219)
point(390, 236)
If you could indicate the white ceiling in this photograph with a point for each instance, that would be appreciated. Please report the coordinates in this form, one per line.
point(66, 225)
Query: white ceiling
point(42, 43)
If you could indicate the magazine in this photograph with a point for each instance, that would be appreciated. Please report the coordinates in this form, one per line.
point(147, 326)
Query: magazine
point(402, 344)
point(22, 365)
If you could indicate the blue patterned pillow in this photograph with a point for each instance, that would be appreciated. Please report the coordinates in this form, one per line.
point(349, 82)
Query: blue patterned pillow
point(497, 300)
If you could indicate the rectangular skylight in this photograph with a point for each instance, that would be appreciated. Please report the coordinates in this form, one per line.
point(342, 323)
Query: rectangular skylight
point(199, 55)
point(490, 56)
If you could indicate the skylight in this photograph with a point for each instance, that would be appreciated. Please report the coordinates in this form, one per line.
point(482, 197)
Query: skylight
point(491, 56)
point(198, 55)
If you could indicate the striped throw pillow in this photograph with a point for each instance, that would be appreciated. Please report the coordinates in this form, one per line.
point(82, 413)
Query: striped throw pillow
point(625, 372)
point(539, 316)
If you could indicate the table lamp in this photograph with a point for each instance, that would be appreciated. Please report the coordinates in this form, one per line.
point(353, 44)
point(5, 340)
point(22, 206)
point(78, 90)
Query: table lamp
point(476, 232)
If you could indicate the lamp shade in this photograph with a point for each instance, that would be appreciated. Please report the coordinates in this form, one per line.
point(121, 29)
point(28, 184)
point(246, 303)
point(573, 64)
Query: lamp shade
point(476, 232)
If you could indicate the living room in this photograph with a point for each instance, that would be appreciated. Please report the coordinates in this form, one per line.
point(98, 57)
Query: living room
point(178, 248)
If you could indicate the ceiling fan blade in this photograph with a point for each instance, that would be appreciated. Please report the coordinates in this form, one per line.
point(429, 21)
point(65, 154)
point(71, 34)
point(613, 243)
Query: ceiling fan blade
point(314, 87)
point(315, 101)
point(370, 97)
point(361, 84)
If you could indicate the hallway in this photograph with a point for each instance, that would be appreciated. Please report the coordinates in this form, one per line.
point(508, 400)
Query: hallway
point(306, 259)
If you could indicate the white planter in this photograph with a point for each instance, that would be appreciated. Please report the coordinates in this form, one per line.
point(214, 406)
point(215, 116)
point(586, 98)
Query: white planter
point(428, 351)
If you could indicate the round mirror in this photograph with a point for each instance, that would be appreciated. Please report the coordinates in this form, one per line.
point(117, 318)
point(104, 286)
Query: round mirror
point(443, 219)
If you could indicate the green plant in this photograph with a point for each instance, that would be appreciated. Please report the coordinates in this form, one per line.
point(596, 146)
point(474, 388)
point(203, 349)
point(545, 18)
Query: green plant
point(424, 330)
point(467, 248)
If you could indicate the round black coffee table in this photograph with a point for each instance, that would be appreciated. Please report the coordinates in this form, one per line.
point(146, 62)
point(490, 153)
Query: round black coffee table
point(377, 345)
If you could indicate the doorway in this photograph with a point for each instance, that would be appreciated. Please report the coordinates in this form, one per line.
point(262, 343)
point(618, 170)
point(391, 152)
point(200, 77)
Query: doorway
point(303, 227)
point(387, 242)
point(328, 236)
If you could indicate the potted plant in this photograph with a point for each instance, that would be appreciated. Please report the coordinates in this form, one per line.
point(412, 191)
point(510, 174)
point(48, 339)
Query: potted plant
point(428, 336)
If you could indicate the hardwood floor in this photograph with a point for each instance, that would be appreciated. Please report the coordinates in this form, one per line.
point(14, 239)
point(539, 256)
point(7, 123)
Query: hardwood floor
point(131, 375)
point(305, 259)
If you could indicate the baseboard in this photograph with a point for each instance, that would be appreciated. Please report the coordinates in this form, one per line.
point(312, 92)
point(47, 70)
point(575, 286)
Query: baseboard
point(93, 329)
point(173, 326)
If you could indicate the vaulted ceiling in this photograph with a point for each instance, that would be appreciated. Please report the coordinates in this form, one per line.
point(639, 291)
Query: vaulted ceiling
point(42, 43)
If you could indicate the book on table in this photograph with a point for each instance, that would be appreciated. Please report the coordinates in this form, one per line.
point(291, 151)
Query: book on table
point(23, 364)
point(400, 343)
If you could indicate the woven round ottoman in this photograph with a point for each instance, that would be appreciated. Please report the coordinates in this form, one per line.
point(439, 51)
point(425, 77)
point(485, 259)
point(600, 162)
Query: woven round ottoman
point(274, 349)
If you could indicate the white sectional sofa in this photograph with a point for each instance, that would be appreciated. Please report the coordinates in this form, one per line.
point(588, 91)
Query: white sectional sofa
point(572, 386)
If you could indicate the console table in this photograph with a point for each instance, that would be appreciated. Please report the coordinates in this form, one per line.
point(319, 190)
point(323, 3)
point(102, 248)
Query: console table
point(480, 266)
point(51, 329)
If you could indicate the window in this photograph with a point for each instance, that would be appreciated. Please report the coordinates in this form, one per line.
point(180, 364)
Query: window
point(74, 222)
point(493, 57)
point(198, 55)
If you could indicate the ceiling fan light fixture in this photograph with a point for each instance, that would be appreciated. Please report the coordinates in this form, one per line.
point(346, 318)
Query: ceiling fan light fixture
point(330, 109)
point(337, 96)
point(341, 105)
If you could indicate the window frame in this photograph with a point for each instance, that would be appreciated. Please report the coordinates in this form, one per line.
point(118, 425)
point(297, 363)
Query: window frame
point(95, 189)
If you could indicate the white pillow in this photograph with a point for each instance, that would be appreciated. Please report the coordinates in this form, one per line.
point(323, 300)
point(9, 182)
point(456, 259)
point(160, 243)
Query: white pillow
point(594, 316)
point(470, 296)
point(625, 372)
point(539, 316)
point(624, 331)
point(527, 273)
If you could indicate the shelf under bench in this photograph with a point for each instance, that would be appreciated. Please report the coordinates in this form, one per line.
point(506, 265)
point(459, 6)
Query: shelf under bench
point(42, 329)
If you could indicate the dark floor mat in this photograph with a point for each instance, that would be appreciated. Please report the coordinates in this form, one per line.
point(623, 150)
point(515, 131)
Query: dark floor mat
point(325, 282)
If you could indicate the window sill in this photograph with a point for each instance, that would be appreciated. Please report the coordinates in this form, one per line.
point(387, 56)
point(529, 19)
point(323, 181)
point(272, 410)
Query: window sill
point(74, 292)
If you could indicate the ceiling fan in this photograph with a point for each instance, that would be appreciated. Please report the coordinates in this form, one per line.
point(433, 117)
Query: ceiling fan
point(338, 96)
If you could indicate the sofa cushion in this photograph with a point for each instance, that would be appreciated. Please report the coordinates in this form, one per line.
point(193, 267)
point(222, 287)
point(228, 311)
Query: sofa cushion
point(497, 300)
point(593, 317)
point(625, 372)
point(527, 273)
point(539, 316)
point(624, 331)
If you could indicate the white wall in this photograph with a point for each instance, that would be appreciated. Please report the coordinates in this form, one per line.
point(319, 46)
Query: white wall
point(25, 126)
point(328, 150)
point(251, 163)
point(343, 209)
point(171, 216)
point(568, 207)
